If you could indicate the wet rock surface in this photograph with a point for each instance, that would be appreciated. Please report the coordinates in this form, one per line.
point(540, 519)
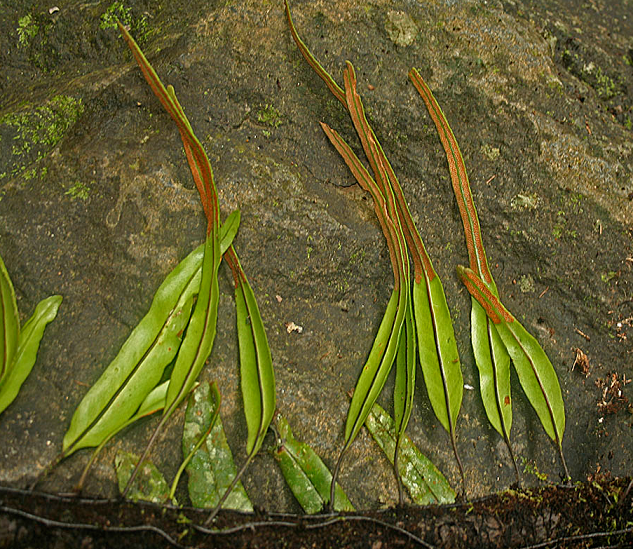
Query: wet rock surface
point(100, 209)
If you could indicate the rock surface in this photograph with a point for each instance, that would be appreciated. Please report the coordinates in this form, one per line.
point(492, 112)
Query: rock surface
point(98, 205)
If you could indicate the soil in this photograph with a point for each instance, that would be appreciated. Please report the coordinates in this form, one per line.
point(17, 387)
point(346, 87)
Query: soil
point(97, 205)
point(596, 514)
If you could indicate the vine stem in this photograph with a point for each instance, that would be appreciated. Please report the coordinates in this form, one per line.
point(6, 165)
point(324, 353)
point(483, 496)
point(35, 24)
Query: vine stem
point(330, 506)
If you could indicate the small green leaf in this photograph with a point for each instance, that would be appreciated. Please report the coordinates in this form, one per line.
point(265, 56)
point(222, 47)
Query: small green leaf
point(424, 482)
point(28, 345)
point(149, 485)
point(211, 469)
point(9, 323)
point(304, 471)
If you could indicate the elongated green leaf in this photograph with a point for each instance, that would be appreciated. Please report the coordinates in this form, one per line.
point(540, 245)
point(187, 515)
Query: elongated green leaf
point(211, 469)
point(491, 357)
point(150, 484)
point(140, 363)
point(302, 488)
point(9, 322)
point(134, 372)
point(432, 317)
point(436, 340)
point(404, 387)
point(375, 371)
point(256, 367)
point(442, 372)
point(537, 377)
point(534, 369)
point(493, 362)
point(28, 345)
point(424, 482)
point(304, 471)
point(435, 330)
point(198, 341)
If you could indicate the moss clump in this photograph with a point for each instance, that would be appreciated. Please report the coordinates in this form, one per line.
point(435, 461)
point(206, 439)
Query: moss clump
point(35, 131)
point(269, 116)
point(78, 190)
point(117, 10)
point(27, 29)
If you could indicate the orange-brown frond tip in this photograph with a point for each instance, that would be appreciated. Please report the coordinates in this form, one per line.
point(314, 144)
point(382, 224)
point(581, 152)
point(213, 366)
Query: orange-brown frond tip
point(122, 27)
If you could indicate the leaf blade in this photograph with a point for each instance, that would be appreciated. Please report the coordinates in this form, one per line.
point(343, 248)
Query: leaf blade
point(424, 482)
point(211, 469)
point(198, 341)
point(9, 322)
point(305, 473)
point(438, 353)
point(534, 369)
point(28, 345)
point(256, 367)
point(493, 364)
point(151, 346)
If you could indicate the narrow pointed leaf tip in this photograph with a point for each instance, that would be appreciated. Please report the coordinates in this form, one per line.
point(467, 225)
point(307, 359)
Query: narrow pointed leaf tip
point(198, 161)
point(329, 81)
